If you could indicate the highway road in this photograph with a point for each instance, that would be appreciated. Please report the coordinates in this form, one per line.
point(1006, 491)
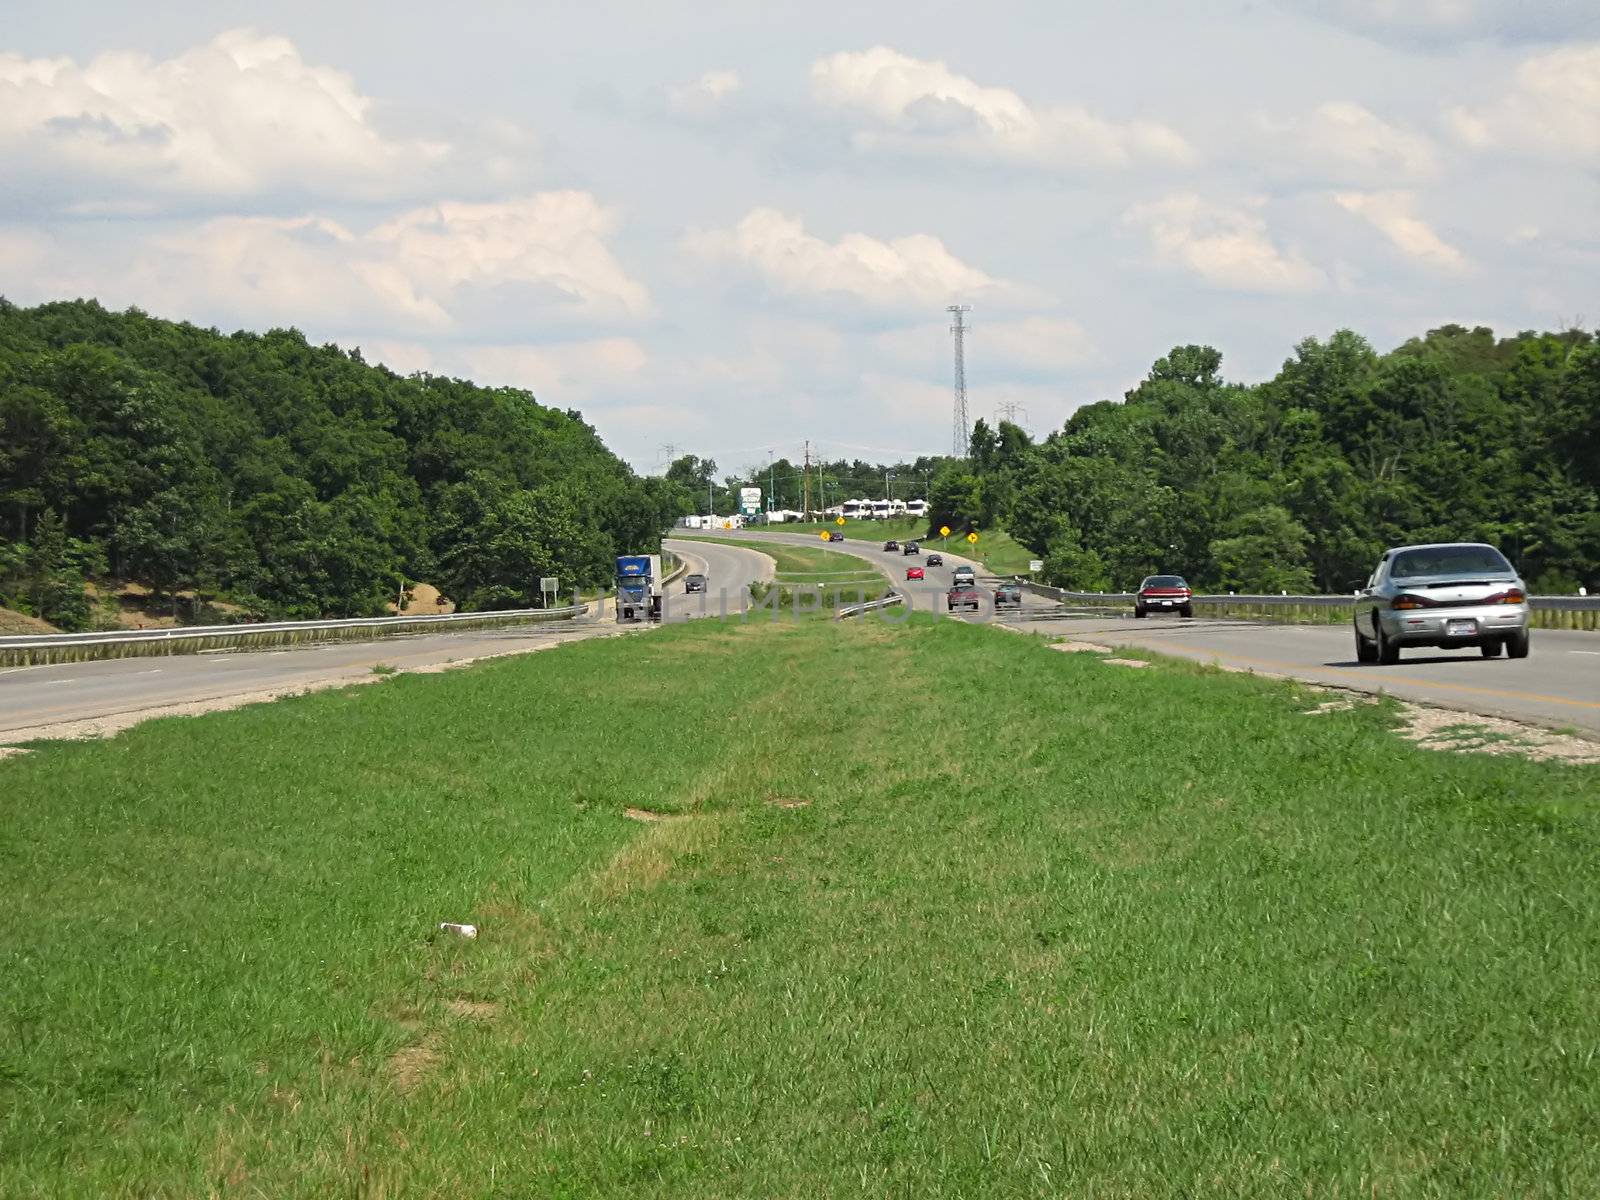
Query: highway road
point(80, 699)
point(1558, 684)
point(729, 570)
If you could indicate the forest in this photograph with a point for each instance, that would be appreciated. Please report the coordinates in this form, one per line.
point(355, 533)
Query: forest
point(1298, 483)
point(287, 479)
point(294, 480)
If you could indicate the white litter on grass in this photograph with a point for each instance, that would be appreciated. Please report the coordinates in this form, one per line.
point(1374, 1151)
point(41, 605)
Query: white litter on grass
point(466, 931)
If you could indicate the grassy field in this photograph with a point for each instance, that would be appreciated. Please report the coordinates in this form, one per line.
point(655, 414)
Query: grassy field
point(1108, 933)
point(995, 548)
point(798, 563)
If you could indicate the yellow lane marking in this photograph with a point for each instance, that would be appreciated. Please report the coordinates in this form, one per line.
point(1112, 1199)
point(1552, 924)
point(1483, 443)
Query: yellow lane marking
point(1506, 693)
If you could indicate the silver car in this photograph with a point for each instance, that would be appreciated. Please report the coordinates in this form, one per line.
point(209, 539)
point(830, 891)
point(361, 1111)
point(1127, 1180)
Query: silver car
point(1446, 594)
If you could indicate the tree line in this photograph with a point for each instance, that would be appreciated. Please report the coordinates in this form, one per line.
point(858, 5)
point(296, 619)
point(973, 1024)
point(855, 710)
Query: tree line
point(289, 479)
point(1298, 484)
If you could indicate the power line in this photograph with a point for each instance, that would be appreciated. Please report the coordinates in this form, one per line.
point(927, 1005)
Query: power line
point(959, 331)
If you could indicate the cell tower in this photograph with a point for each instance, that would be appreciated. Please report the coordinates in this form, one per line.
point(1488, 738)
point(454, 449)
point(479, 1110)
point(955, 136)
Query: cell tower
point(959, 331)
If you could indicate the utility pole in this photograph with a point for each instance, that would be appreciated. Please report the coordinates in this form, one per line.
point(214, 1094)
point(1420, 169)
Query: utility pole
point(772, 461)
point(1009, 410)
point(959, 331)
point(805, 504)
point(670, 451)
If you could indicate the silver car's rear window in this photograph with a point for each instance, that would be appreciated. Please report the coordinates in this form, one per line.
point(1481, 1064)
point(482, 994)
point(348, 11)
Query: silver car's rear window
point(1431, 561)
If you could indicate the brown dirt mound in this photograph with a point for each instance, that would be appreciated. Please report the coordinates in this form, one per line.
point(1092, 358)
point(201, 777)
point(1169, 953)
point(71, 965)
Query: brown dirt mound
point(15, 622)
point(424, 600)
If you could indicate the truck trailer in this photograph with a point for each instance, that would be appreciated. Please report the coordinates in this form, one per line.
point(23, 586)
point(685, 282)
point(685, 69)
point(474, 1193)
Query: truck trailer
point(639, 587)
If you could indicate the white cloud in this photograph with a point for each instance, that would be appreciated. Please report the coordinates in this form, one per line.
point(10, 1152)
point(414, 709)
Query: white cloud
point(1342, 139)
point(543, 256)
point(1228, 247)
point(559, 373)
point(1553, 108)
point(1445, 22)
point(916, 270)
point(240, 115)
point(705, 94)
point(1037, 345)
point(918, 105)
point(1390, 213)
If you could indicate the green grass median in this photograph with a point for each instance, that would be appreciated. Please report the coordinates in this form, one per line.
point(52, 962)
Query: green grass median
point(1066, 929)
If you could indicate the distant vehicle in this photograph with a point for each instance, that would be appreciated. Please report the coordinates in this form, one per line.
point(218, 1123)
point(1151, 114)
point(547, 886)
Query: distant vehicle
point(915, 573)
point(1008, 595)
point(911, 548)
point(1163, 593)
point(1446, 594)
point(964, 575)
point(694, 583)
point(964, 596)
point(891, 544)
point(936, 559)
point(916, 508)
point(835, 536)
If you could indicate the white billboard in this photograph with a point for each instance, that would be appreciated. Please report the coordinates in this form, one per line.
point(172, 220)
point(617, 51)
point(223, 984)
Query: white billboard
point(749, 500)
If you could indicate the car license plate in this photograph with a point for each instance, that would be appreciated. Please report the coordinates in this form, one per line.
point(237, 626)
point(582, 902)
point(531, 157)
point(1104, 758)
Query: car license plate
point(1166, 604)
point(1464, 628)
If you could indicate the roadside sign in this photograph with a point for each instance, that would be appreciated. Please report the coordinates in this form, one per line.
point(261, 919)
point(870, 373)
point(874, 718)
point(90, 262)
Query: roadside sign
point(727, 524)
point(838, 520)
point(549, 585)
point(749, 501)
point(1036, 564)
point(973, 538)
point(823, 534)
point(944, 531)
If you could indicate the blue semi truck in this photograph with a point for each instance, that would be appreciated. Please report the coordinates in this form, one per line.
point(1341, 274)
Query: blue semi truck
point(639, 587)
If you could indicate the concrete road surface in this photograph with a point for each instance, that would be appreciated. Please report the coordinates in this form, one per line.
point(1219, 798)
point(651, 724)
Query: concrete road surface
point(1558, 684)
point(35, 700)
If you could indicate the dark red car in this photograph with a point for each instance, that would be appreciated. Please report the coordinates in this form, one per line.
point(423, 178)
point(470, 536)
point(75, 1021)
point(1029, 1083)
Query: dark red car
point(1164, 593)
point(964, 596)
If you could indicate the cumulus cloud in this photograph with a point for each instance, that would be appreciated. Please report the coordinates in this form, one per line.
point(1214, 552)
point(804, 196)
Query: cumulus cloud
point(1552, 109)
point(243, 114)
point(1390, 213)
point(704, 95)
point(422, 271)
point(909, 271)
point(922, 106)
point(1006, 347)
point(560, 372)
point(1228, 247)
point(1446, 22)
point(1344, 140)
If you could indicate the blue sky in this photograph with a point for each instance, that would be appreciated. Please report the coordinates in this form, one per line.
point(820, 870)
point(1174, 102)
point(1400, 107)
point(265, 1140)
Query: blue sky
point(732, 228)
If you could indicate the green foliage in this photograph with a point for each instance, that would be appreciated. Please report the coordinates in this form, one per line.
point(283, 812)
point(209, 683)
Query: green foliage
point(1299, 483)
point(295, 477)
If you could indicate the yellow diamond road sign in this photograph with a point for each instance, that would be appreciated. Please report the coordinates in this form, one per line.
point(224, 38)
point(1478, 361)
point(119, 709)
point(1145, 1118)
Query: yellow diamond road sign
point(838, 520)
point(823, 534)
point(973, 538)
point(944, 531)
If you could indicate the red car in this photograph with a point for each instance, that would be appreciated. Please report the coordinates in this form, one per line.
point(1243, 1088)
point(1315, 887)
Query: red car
point(964, 596)
point(914, 573)
point(1164, 593)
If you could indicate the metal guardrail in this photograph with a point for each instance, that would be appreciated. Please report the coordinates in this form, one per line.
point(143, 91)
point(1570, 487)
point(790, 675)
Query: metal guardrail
point(1549, 612)
point(29, 649)
point(855, 610)
point(1556, 603)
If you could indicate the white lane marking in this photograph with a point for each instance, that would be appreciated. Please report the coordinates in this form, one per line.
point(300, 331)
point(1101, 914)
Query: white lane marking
point(1596, 653)
point(55, 682)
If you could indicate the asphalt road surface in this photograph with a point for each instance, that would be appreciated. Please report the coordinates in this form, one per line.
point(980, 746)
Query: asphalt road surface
point(729, 572)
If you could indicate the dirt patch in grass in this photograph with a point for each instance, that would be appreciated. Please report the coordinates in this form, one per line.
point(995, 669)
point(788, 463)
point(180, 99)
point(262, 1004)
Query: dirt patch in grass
point(1446, 729)
point(787, 802)
point(410, 1065)
point(1080, 647)
point(473, 1010)
point(645, 814)
point(1126, 662)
